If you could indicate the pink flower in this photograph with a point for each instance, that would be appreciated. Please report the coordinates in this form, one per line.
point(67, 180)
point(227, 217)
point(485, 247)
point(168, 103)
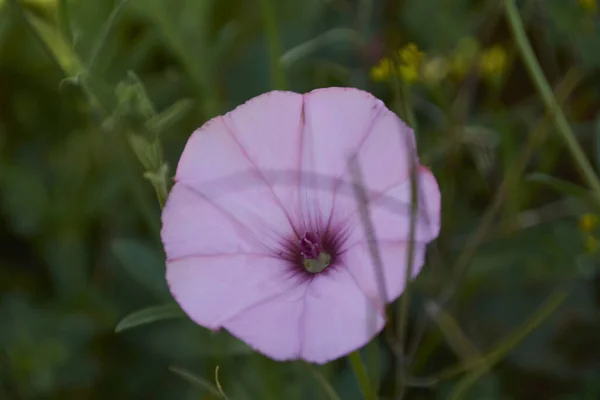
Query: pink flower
point(262, 228)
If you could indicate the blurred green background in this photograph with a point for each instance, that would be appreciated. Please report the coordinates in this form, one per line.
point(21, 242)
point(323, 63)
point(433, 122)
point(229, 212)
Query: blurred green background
point(89, 88)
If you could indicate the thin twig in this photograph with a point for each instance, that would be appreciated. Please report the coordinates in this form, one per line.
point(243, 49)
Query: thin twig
point(515, 170)
point(545, 91)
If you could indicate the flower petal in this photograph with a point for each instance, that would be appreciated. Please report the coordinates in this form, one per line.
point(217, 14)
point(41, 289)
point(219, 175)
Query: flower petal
point(338, 121)
point(210, 154)
point(224, 164)
point(273, 328)
point(192, 224)
point(394, 263)
point(214, 288)
point(263, 133)
point(390, 212)
point(269, 129)
point(386, 155)
point(240, 160)
point(249, 181)
point(338, 318)
point(321, 320)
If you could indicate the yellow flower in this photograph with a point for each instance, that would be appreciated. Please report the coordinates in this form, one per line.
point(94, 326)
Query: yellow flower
point(588, 222)
point(382, 71)
point(410, 73)
point(409, 69)
point(589, 5)
point(410, 58)
point(410, 54)
point(493, 61)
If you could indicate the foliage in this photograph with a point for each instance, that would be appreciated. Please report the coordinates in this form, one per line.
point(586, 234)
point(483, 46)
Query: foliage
point(98, 97)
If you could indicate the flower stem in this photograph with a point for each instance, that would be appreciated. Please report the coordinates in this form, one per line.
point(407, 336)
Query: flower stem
point(407, 109)
point(404, 303)
point(272, 36)
point(537, 75)
point(365, 11)
point(360, 371)
point(403, 97)
point(509, 184)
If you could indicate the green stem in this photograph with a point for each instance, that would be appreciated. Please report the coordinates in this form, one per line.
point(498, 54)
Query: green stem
point(64, 22)
point(403, 93)
point(95, 96)
point(407, 109)
point(21, 14)
point(481, 367)
point(365, 11)
point(404, 303)
point(135, 185)
point(278, 79)
point(373, 361)
point(537, 75)
point(361, 374)
point(197, 67)
point(509, 184)
point(101, 40)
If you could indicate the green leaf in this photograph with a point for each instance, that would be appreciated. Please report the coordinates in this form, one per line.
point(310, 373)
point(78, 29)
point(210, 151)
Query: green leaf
point(331, 38)
point(142, 149)
point(144, 265)
point(149, 315)
point(165, 120)
point(184, 25)
point(484, 364)
point(325, 385)
point(133, 102)
point(360, 371)
point(198, 381)
point(565, 187)
point(60, 49)
point(522, 278)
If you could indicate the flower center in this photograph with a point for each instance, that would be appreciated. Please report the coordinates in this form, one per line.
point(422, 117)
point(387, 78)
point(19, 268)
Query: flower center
point(315, 258)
